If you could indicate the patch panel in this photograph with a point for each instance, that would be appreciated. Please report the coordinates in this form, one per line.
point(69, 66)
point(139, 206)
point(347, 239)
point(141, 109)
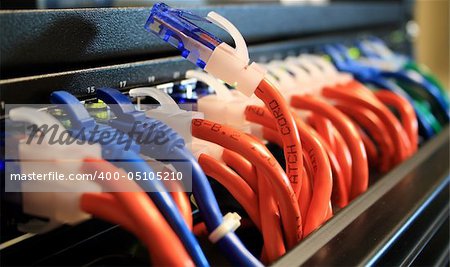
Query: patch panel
point(335, 117)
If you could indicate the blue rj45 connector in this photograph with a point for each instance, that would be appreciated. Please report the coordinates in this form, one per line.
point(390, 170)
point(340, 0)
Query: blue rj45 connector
point(208, 52)
point(124, 153)
point(175, 27)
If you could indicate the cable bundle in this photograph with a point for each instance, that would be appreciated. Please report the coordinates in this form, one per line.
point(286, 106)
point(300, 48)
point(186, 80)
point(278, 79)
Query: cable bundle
point(333, 131)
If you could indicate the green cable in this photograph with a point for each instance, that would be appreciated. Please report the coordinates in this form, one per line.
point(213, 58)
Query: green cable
point(420, 98)
point(426, 73)
point(428, 116)
point(425, 100)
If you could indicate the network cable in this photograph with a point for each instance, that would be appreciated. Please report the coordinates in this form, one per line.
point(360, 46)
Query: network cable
point(127, 118)
point(360, 172)
point(407, 115)
point(61, 202)
point(337, 145)
point(129, 159)
point(415, 85)
point(428, 124)
point(313, 147)
point(231, 65)
point(318, 68)
point(377, 51)
point(263, 160)
point(360, 167)
point(263, 210)
point(321, 175)
point(136, 212)
point(401, 142)
point(359, 156)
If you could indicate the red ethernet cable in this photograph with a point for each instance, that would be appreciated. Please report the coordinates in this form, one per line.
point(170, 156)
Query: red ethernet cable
point(105, 206)
point(264, 214)
point(340, 150)
point(267, 208)
point(320, 167)
point(369, 145)
point(357, 94)
point(360, 170)
point(270, 221)
point(324, 127)
point(181, 200)
point(407, 114)
point(375, 128)
point(304, 198)
point(339, 195)
point(287, 128)
point(184, 205)
point(238, 188)
point(144, 218)
point(242, 166)
point(264, 161)
point(340, 189)
point(345, 158)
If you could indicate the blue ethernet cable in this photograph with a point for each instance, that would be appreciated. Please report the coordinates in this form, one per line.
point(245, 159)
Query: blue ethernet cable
point(441, 105)
point(423, 91)
point(362, 47)
point(127, 118)
point(427, 89)
point(128, 158)
point(210, 210)
point(372, 76)
point(405, 63)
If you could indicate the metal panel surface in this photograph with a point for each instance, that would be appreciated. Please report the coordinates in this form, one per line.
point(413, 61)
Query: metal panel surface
point(38, 40)
point(362, 232)
point(82, 83)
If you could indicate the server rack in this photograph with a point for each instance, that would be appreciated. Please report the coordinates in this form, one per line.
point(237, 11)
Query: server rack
point(401, 219)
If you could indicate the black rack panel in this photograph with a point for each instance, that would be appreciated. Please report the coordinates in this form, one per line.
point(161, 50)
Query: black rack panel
point(38, 40)
point(82, 83)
